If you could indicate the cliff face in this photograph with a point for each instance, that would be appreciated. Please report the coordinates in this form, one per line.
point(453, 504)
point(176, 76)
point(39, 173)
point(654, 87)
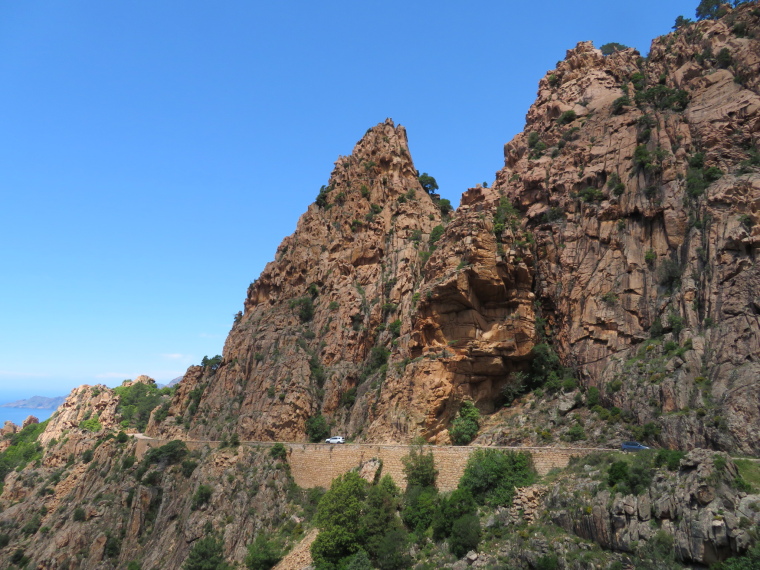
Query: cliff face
point(644, 206)
point(635, 191)
point(92, 501)
point(620, 236)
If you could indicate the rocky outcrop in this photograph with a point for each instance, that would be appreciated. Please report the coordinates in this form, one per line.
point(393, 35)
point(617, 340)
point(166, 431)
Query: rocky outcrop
point(698, 506)
point(616, 246)
point(315, 315)
point(625, 211)
point(111, 510)
point(637, 179)
point(83, 403)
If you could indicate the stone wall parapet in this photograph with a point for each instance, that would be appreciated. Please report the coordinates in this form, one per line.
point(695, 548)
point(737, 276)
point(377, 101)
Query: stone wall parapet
point(317, 464)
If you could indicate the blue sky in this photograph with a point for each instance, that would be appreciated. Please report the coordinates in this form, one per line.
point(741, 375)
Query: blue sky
point(153, 154)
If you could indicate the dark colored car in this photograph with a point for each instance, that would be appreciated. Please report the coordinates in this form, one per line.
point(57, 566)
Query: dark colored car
point(632, 446)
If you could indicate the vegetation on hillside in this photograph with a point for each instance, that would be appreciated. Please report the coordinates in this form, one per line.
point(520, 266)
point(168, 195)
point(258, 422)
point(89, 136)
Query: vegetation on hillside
point(23, 449)
point(137, 400)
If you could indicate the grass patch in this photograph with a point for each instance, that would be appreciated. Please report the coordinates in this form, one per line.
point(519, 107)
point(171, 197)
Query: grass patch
point(749, 470)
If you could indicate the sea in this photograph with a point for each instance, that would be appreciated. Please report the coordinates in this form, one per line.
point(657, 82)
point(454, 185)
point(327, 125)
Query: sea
point(18, 415)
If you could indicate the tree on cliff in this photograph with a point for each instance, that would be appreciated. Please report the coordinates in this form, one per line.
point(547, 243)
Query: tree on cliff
point(207, 554)
point(612, 47)
point(710, 10)
point(427, 182)
point(714, 9)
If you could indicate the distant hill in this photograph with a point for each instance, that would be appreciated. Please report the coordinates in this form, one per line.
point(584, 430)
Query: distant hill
point(171, 384)
point(37, 403)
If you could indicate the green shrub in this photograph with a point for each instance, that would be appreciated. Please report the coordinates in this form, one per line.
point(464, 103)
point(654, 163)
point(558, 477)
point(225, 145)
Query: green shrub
point(445, 207)
point(712, 173)
point(567, 117)
point(112, 547)
point(638, 80)
point(321, 200)
point(675, 321)
point(206, 554)
point(348, 397)
point(458, 504)
point(615, 185)
point(612, 47)
point(619, 104)
point(278, 452)
point(360, 561)
point(201, 497)
point(435, 234)
point(591, 195)
point(305, 306)
point(317, 429)
point(750, 561)
point(122, 437)
point(592, 397)
point(380, 518)
point(32, 525)
point(137, 401)
point(663, 97)
point(336, 517)
point(569, 384)
point(465, 535)
point(465, 427)
point(419, 467)
point(576, 433)
point(491, 475)
point(212, 363)
point(92, 424)
point(317, 370)
point(697, 160)
point(188, 466)
point(79, 515)
point(617, 472)
point(87, 455)
point(506, 215)
point(152, 479)
point(711, 9)
point(169, 454)
point(18, 557)
point(650, 257)
point(427, 182)
point(420, 506)
point(548, 562)
point(642, 158)
point(669, 274)
point(669, 458)
point(263, 553)
point(391, 551)
point(554, 214)
point(647, 432)
point(723, 58)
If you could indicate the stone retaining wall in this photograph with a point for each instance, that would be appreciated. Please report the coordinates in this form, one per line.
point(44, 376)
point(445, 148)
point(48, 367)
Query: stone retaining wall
point(317, 464)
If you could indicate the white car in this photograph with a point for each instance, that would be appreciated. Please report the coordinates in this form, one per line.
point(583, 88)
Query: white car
point(335, 439)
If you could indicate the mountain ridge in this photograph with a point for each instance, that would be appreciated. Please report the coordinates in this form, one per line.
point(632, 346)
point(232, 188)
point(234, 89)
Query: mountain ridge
point(603, 288)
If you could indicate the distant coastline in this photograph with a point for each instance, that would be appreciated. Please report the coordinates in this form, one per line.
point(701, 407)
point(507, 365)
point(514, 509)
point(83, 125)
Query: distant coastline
point(36, 403)
point(18, 415)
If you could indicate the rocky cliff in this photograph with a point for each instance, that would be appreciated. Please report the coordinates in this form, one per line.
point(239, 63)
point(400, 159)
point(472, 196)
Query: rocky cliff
point(623, 220)
point(609, 271)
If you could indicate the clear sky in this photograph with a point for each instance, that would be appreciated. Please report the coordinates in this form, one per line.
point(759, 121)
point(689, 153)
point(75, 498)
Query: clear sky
point(153, 154)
